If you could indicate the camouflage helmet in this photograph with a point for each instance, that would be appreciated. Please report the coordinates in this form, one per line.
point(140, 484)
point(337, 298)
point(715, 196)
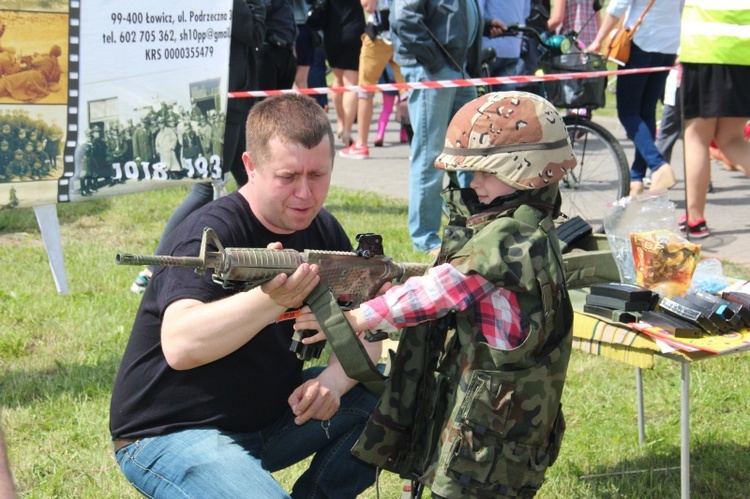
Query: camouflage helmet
point(518, 137)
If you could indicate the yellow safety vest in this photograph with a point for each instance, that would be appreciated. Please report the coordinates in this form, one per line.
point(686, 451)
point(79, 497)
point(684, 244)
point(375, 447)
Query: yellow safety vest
point(716, 32)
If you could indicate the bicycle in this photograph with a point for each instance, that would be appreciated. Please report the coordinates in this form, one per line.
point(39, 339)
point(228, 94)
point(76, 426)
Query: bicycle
point(602, 175)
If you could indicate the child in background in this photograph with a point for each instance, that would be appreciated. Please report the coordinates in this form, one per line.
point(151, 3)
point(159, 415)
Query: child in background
point(389, 99)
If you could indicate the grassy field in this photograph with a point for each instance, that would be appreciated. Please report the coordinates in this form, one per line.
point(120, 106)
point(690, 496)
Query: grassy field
point(59, 356)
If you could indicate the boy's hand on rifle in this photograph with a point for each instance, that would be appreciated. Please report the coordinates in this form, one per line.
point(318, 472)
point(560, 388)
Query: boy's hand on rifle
point(307, 320)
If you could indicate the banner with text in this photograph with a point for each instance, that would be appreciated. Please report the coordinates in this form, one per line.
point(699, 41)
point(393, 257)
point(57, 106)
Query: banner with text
point(102, 98)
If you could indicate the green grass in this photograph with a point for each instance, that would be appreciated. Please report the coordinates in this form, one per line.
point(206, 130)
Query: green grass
point(59, 356)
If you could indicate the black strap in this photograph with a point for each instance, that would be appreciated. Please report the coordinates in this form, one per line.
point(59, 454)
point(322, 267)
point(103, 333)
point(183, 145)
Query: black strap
point(344, 341)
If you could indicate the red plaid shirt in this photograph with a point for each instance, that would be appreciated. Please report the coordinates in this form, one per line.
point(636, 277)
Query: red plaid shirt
point(442, 290)
point(577, 13)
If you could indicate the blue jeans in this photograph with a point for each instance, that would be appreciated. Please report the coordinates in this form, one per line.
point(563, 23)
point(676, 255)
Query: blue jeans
point(316, 78)
point(636, 108)
point(208, 462)
point(430, 112)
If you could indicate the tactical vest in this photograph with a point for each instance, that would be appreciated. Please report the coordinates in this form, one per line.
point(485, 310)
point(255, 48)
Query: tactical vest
point(464, 418)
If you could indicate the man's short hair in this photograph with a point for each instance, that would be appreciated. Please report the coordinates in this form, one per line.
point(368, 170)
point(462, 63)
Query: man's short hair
point(293, 118)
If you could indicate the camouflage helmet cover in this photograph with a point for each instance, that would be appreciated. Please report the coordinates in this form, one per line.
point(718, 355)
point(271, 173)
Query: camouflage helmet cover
point(518, 137)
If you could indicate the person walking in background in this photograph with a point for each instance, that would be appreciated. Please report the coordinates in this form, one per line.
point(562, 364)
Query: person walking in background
point(435, 40)
point(576, 15)
point(655, 44)
point(715, 57)
point(342, 43)
point(376, 54)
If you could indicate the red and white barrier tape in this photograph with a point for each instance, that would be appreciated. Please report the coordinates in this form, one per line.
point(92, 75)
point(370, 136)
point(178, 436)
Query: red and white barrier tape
point(469, 82)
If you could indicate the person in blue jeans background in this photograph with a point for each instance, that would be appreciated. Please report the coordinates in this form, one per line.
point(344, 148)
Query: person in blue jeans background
point(435, 40)
point(208, 399)
point(655, 44)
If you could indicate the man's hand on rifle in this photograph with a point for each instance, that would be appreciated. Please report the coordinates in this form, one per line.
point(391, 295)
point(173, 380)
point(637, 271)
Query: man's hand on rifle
point(290, 291)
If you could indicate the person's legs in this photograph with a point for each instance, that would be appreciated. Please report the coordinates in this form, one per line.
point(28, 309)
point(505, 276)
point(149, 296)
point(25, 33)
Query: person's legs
point(304, 51)
point(652, 93)
point(338, 103)
point(730, 137)
point(287, 70)
point(670, 129)
point(316, 78)
point(629, 92)
point(662, 174)
point(698, 135)
point(198, 463)
point(300, 77)
point(268, 67)
point(636, 109)
point(429, 111)
point(333, 472)
point(385, 114)
point(349, 103)
point(372, 60)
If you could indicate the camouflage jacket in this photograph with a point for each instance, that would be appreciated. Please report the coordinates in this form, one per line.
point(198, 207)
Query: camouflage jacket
point(466, 419)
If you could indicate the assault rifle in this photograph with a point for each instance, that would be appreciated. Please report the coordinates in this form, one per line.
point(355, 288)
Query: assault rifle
point(352, 277)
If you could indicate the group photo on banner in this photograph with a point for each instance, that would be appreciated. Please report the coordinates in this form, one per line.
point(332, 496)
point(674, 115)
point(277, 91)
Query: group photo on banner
point(109, 99)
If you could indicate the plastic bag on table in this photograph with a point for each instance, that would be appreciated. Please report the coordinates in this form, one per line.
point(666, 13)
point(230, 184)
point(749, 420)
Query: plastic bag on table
point(644, 213)
point(709, 276)
point(664, 261)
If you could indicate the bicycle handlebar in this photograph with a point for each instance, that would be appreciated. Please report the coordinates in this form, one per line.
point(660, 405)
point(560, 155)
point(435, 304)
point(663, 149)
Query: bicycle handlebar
point(518, 29)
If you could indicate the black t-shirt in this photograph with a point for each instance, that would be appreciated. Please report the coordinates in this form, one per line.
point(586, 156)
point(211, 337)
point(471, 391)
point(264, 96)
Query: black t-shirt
point(247, 389)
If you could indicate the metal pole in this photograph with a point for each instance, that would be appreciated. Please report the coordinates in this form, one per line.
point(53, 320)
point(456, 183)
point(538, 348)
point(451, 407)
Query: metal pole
point(641, 419)
point(685, 431)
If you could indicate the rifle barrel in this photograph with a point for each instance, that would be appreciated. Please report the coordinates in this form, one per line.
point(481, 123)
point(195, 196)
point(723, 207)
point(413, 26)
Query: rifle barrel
point(158, 260)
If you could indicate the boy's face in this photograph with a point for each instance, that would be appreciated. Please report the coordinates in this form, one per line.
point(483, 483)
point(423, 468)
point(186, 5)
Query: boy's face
point(488, 187)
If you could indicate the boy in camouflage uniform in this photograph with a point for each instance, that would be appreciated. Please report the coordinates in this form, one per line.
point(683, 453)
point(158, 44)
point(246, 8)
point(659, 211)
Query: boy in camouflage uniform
point(472, 407)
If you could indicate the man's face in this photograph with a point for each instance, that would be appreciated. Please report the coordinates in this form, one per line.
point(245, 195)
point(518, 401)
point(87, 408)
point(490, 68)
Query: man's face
point(488, 187)
point(288, 190)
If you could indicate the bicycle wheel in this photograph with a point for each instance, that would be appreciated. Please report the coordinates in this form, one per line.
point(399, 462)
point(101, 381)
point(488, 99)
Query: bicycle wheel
point(602, 175)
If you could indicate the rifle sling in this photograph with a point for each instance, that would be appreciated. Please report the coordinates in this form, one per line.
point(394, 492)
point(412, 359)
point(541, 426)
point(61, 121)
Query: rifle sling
point(344, 341)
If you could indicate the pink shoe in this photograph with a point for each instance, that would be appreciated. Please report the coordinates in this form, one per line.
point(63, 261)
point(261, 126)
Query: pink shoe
point(404, 138)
